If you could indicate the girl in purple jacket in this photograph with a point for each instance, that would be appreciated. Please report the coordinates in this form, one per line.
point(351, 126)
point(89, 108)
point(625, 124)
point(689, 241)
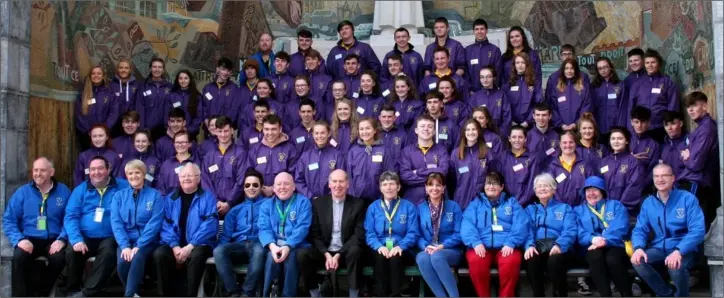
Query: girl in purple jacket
point(100, 146)
point(588, 147)
point(143, 151)
point(490, 130)
point(518, 43)
point(366, 161)
point(570, 171)
point(519, 167)
point(186, 96)
point(523, 90)
point(344, 125)
point(624, 174)
point(493, 98)
point(571, 96)
point(151, 102)
point(406, 102)
point(471, 160)
point(96, 104)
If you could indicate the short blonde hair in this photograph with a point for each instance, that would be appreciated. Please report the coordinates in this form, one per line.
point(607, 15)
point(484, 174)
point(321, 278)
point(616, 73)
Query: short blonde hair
point(545, 178)
point(135, 164)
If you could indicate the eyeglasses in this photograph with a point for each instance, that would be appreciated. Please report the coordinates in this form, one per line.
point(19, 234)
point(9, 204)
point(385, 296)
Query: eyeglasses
point(250, 185)
point(181, 142)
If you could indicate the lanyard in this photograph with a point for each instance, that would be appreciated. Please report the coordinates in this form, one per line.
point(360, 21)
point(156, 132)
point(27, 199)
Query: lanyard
point(495, 216)
point(101, 191)
point(42, 205)
point(283, 216)
point(436, 224)
point(599, 214)
point(388, 215)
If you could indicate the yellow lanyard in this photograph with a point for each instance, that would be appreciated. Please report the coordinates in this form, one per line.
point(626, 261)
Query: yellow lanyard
point(388, 215)
point(495, 217)
point(599, 214)
point(101, 191)
point(42, 205)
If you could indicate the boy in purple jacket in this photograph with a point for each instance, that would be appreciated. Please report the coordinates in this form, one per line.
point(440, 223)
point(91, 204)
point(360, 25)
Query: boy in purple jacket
point(543, 139)
point(643, 146)
point(348, 44)
point(421, 158)
point(443, 40)
point(123, 145)
point(674, 142)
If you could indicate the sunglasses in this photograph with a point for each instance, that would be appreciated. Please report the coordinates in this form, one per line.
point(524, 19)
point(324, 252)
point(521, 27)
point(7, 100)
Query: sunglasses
point(254, 185)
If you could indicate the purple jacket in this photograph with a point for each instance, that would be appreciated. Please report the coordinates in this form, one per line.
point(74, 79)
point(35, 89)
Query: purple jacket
point(250, 136)
point(631, 80)
point(478, 55)
point(570, 183)
point(470, 174)
point(592, 156)
point(496, 101)
point(125, 93)
point(508, 64)
point(283, 87)
point(246, 113)
point(458, 110)
point(164, 148)
point(624, 176)
point(209, 144)
point(494, 142)
point(412, 65)
point(151, 101)
point(544, 144)
point(291, 108)
point(167, 179)
point(223, 174)
point(457, 54)
point(312, 171)
point(297, 66)
point(658, 93)
point(226, 101)
point(321, 85)
point(522, 100)
point(367, 56)
point(270, 161)
point(123, 145)
point(671, 153)
point(351, 82)
point(429, 83)
point(153, 165)
point(645, 144)
point(416, 165)
point(180, 99)
point(407, 111)
point(343, 141)
point(368, 105)
point(301, 138)
point(102, 109)
point(519, 173)
point(609, 107)
point(81, 166)
point(569, 104)
point(703, 162)
point(364, 165)
point(552, 82)
point(447, 132)
point(395, 140)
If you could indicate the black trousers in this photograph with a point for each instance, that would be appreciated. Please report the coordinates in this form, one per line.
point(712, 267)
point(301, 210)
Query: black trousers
point(557, 268)
point(104, 250)
point(166, 268)
point(606, 264)
point(390, 273)
point(25, 282)
point(310, 260)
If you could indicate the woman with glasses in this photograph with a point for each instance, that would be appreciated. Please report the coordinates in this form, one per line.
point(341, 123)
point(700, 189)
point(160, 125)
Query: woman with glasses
point(239, 240)
point(168, 178)
point(494, 229)
point(608, 96)
point(493, 98)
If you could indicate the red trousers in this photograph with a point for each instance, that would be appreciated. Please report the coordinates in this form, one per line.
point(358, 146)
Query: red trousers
point(508, 271)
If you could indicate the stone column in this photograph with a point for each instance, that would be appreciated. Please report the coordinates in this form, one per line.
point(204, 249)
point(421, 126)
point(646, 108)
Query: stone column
point(14, 100)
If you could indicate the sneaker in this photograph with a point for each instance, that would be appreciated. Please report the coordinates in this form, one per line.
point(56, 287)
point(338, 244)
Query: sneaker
point(583, 288)
point(636, 290)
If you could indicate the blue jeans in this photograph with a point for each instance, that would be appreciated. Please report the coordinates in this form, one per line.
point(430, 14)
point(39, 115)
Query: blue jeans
point(289, 278)
point(225, 255)
point(680, 277)
point(131, 273)
point(435, 269)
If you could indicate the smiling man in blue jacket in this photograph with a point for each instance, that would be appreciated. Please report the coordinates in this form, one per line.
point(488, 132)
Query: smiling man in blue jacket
point(88, 224)
point(33, 223)
point(677, 222)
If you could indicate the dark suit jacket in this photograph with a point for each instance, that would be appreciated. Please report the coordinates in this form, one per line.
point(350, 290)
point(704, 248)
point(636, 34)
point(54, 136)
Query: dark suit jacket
point(353, 218)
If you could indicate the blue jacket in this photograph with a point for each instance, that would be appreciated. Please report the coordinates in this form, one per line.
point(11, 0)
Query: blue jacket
point(477, 225)
point(202, 223)
point(264, 69)
point(81, 209)
point(296, 226)
point(589, 225)
point(240, 224)
point(449, 232)
point(556, 221)
point(676, 224)
point(20, 220)
point(404, 224)
point(136, 222)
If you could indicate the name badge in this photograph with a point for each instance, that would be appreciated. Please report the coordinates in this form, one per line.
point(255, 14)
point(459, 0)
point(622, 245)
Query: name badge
point(473, 61)
point(177, 104)
point(213, 168)
point(333, 143)
point(490, 144)
point(432, 166)
point(517, 167)
point(208, 96)
point(386, 92)
point(254, 98)
point(497, 228)
point(376, 158)
point(149, 178)
point(120, 156)
point(42, 223)
point(261, 160)
point(254, 140)
point(355, 94)
point(397, 114)
point(87, 171)
point(178, 169)
point(147, 93)
point(561, 177)
point(550, 151)
point(338, 56)
point(432, 86)
point(514, 88)
point(301, 139)
point(92, 101)
point(313, 166)
point(661, 161)
point(604, 169)
point(656, 90)
point(119, 94)
point(562, 99)
point(442, 136)
point(361, 110)
point(98, 217)
point(612, 96)
point(463, 170)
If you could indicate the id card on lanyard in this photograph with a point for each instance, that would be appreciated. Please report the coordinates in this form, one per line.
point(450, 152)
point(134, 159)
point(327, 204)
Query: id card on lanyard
point(496, 226)
point(390, 243)
point(42, 219)
point(98, 217)
point(283, 216)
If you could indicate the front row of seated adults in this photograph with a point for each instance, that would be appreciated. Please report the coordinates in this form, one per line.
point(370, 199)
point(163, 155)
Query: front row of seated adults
point(124, 223)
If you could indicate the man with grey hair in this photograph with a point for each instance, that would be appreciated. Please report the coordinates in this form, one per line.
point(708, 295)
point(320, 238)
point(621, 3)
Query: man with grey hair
point(337, 232)
point(34, 227)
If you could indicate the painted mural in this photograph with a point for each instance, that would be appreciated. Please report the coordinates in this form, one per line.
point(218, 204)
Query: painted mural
point(68, 37)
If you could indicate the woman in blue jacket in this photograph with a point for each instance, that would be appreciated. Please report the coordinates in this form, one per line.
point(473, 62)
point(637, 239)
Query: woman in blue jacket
point(439, 238)
point(602, 225)
point(136, 217)
point(551, 235)
point(391, 231)
point(494, 229)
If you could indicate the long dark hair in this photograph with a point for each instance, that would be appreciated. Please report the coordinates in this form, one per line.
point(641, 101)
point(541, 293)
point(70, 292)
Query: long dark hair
point(455, 94)
point(373, 75)
point(598, 79)
point(193, 91)
point(480, 142)
point(411, 93)
point(509, 50)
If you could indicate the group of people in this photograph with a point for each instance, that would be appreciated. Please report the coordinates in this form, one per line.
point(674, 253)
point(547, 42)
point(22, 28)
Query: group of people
point(412, 139)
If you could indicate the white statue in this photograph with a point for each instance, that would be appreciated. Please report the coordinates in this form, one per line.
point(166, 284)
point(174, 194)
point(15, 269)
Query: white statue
point(390, 15)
